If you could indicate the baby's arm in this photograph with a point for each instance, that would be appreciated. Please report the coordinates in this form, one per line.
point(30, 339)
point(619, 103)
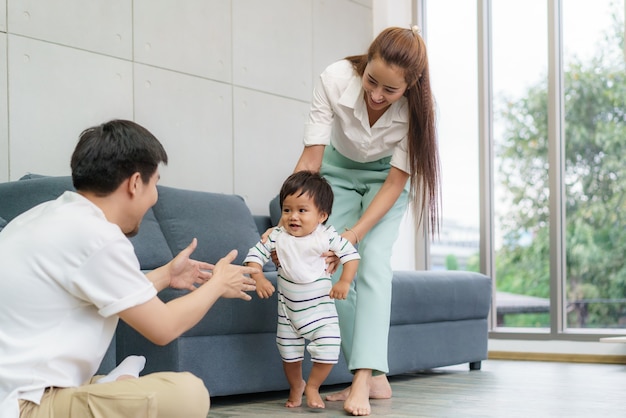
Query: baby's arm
point(264, 288)
point(341, 288)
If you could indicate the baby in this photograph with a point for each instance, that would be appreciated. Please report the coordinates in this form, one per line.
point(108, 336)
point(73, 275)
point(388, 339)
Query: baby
point(306, 310)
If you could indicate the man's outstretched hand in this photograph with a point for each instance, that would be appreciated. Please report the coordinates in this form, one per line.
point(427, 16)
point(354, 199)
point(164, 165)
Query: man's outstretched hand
point(185, 272)
point(233, 280)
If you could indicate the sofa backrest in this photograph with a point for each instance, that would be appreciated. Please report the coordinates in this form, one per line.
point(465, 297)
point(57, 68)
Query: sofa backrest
point(19, 196)
point(220, 222)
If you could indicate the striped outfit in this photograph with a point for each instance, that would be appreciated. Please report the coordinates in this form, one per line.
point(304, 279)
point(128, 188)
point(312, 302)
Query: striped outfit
point(305, 309)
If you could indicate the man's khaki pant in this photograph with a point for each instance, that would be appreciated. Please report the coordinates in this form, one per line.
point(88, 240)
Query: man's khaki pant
point(157, 395)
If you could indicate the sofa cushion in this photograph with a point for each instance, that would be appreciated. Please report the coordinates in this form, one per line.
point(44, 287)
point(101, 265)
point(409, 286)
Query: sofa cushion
point(33, 189)
point(275, 212)
point(220, 222)
point(150, 244)
point(19, 196)
point(437, 296)
point(233, 316)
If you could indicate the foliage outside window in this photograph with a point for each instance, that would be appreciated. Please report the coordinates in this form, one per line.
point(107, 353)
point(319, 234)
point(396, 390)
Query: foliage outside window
point(595, 182)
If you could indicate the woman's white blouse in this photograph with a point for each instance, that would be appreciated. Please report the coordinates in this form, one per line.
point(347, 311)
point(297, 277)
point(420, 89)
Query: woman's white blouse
point(339, 117)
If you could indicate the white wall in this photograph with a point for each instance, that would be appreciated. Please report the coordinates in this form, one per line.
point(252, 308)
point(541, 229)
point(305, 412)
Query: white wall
point(224, 84)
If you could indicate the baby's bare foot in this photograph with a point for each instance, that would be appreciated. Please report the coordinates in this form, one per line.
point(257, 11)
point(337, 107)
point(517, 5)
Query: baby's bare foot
point(313, 398)
point(295, 396)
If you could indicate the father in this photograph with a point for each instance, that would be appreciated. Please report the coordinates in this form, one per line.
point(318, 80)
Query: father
point(68, 273)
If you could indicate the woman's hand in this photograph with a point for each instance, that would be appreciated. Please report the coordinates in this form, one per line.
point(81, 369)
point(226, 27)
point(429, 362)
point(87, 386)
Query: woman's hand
point(332, 261)
point(266, 234)
point(273, 255)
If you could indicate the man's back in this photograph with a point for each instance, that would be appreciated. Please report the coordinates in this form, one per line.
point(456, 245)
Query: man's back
point(65, 271)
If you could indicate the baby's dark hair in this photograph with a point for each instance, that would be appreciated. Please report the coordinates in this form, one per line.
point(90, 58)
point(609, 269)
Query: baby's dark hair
point(312, 184)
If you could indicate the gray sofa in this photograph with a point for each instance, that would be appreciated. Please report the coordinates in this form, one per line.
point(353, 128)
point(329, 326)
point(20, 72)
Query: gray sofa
point(439, 318)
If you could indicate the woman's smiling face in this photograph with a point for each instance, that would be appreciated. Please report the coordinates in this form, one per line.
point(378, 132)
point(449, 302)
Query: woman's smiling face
point(383, 84)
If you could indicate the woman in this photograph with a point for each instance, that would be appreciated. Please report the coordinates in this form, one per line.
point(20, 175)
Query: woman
point(371, 129)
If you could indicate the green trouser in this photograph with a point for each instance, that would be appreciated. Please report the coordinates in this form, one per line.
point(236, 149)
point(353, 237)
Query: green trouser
point(364, 316)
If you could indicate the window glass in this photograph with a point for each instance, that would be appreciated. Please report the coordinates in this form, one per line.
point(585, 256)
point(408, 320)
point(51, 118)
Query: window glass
point(521, 187)
point(452, 54)
point(595, 171)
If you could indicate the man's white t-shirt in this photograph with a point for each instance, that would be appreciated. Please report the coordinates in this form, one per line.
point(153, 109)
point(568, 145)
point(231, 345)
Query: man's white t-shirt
point(65, 274)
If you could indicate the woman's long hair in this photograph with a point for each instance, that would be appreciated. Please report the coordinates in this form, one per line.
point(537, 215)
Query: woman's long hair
point(405, 49)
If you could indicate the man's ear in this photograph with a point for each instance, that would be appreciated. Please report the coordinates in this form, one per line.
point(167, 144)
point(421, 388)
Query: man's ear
point(134, 183)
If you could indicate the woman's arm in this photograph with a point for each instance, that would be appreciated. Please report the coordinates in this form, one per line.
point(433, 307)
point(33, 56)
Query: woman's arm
point(383, 201)
point(311, 158)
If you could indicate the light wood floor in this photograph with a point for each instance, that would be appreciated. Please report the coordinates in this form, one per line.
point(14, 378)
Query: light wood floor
point(506, 389)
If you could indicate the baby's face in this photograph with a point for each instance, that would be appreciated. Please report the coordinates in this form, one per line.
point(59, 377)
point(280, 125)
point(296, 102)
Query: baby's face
point(300, 216)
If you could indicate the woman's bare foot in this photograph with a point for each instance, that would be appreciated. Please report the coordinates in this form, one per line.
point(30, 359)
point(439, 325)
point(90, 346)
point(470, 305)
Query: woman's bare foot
point(339, 396)
point(313, 398)
point(379, 389)
point(358, 402)
point(295, 396)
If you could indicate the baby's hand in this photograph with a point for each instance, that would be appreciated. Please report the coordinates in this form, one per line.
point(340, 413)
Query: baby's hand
point(340, 290)
point(264, 288)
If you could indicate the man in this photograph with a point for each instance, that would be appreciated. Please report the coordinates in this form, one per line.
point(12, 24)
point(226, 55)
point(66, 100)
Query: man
point(68, 273)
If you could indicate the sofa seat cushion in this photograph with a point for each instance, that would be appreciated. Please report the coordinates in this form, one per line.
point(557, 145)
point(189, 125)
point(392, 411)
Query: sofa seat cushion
point(418, 297)
point(437, 296)
point(234, 316)
point(220, 222)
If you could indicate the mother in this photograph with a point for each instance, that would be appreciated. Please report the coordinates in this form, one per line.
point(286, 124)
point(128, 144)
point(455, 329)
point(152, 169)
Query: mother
point(371, 128)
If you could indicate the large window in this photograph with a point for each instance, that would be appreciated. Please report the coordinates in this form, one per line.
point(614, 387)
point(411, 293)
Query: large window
point(556, 92)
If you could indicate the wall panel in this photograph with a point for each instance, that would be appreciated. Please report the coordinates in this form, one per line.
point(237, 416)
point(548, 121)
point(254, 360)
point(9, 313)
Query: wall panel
point(272, 46)
point(173, 67)
point(268, 143)
point(54, 93)
point(192, 117)
point(192, 37)
point(99, 26)
point(333, 38)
